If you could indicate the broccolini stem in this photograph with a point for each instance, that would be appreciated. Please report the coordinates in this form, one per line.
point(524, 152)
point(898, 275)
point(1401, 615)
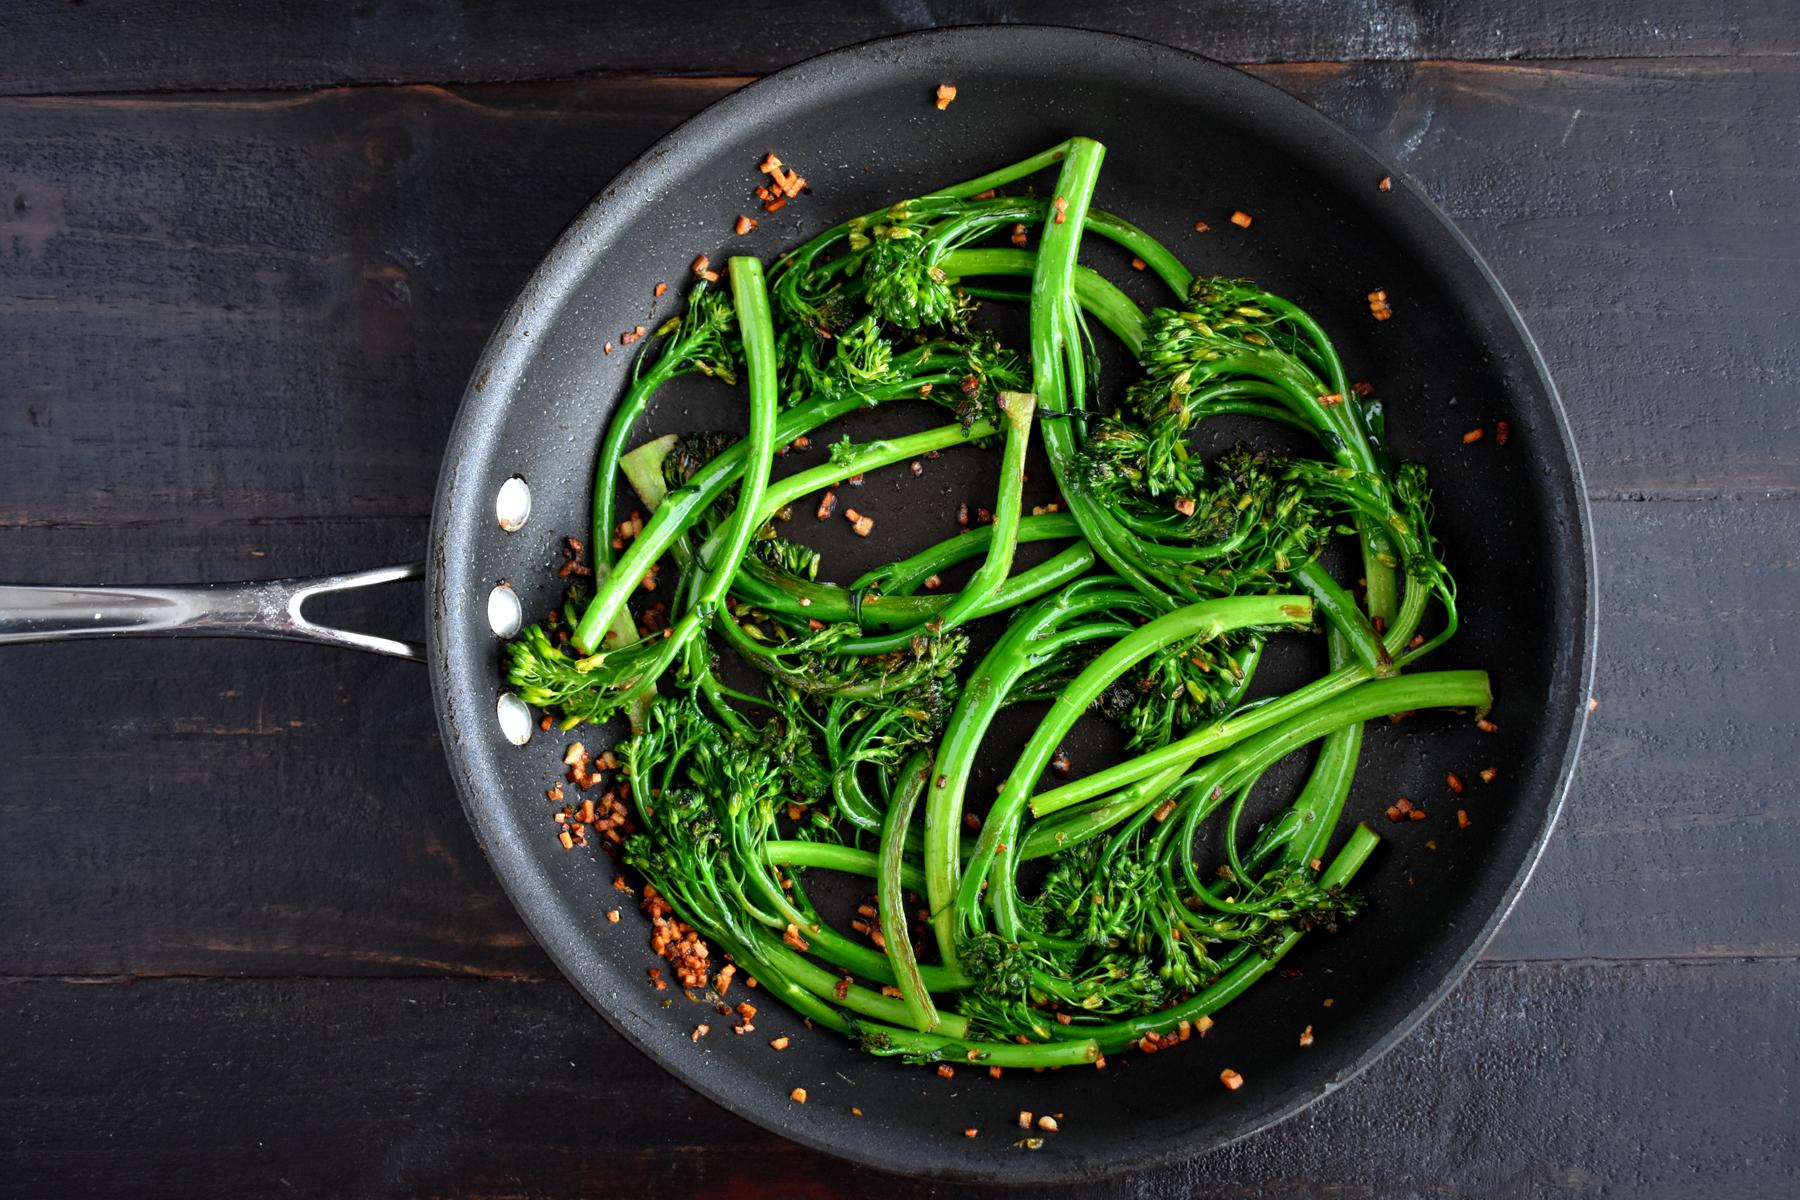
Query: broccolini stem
point(830, 856)
point(1204, 621)
point(904, 577)
point(685, 503)
point(984, 584)
point(1231, 729)
point(1339, 608)
point(1093, 291)
point(981, 700)
point(891, 900)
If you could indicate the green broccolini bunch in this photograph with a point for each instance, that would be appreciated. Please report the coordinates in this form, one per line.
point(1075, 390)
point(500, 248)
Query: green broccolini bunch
point(854, 750)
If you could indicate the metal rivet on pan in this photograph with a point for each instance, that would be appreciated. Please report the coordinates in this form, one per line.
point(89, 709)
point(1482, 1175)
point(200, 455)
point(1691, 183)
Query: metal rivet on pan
point(512, 504)
point(505, 612)
point(515, 719)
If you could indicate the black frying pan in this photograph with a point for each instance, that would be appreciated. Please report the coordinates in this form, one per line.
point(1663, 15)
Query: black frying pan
point(1189, 140)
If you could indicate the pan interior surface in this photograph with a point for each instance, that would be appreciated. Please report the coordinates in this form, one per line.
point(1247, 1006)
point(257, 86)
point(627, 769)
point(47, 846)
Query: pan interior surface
point(1188, 141)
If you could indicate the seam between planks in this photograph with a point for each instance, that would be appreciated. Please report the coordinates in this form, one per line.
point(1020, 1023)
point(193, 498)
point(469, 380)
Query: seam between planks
point(739, 78)
point(1589, 963)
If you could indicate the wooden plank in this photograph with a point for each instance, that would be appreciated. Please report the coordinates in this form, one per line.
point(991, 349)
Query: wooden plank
point(197, 287)
point(136, 46)
point(187, 1088)
point(286, 808)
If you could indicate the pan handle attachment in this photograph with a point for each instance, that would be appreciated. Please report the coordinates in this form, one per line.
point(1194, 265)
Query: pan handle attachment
point(266, 609)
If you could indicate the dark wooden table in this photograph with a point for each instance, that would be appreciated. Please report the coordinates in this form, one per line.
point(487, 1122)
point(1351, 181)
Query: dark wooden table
point(247, 943)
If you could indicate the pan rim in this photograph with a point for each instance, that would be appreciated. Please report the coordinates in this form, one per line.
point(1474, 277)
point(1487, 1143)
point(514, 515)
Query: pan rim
point(503, 359)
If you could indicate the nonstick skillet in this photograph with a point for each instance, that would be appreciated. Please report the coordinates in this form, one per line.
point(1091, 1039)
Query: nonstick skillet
point(1189, 140)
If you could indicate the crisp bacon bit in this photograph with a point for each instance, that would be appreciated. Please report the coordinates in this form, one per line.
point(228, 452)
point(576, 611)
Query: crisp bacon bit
point(933, 583)
point(649, 580)
point(1061, 205)
point(1489, 774)
point(1063, 1018)
point(1473, 436)
point(1462, 818)
point(946, 92)
point(1061, 764)
point(555, 794)
point(1184, 505)
point(743, 225)
point(741, 1030)
point(1404, 805)
point(700, 1031)
point(657, 291)
point(1502, 433)
point(1455, 782)
point(855, 480)
point(1138, 264)
point(1378, 305)
point(606, 349)
point(859, 524)
point(775, 203)
point(699, 265)
point(1202, 1024)
point(1018, 235)
point(657, 979)
point(1362, 388)
point(1418, 639)
point(1202, 227)
point(971, 1132)
point(1149, 1043)
point(1231, 1079)
point(1394, 814)
point(802, 443)
point(567, 839)
point(827, 506)
point(1487, 726)
point(1163, 811)
point(780, 1043)
point(1025, 1119)
point(814, 624)
point(1386, 184)
point(946, 1071)
point(962, 513)
point(1417, 814)
point(993, 1072)
point(612, 916)
point(1331, 400)
point(798, 1095)
point(791, 935)
point(1241, 219)
point(1099, 1062)
point(1306, 1036)
point(972, 822)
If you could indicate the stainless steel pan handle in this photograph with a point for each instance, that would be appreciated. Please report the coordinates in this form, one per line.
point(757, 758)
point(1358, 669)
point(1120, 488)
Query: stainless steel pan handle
point(266, 609)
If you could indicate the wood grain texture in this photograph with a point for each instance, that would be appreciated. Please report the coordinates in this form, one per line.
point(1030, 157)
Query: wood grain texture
point(233, 330)
point(134, 45)
point(489, 1089)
